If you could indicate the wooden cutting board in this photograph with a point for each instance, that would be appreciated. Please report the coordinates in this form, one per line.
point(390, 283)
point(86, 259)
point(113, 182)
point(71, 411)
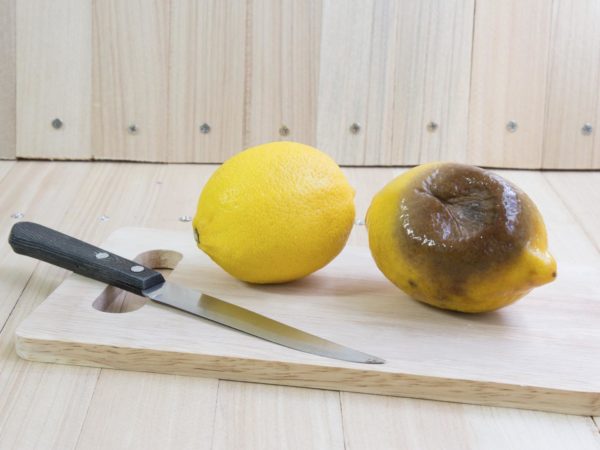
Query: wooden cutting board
point(540, 353)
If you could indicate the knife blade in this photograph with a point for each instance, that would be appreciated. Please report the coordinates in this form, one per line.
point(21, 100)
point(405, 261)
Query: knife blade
point(46, 244)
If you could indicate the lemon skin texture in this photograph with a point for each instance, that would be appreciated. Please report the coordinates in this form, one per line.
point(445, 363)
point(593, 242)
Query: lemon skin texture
point(458, 237)
point(275, 213)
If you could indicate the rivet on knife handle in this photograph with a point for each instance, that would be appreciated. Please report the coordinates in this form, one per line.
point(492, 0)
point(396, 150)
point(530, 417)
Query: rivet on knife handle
point(46, 244)
point(56, 248)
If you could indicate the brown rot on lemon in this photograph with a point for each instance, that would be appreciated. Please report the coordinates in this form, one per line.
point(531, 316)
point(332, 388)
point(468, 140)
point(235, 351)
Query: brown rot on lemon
point(275, 213)
point(459, 237)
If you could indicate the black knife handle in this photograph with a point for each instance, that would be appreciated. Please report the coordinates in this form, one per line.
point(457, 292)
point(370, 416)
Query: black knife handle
point(46, 244)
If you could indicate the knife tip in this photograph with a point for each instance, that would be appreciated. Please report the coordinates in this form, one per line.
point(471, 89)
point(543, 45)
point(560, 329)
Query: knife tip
point(375, 360)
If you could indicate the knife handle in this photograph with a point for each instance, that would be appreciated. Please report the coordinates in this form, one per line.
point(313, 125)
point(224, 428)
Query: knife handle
point(46, 244)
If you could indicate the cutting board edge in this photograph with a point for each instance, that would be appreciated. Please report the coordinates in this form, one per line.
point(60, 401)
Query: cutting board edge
point(310, 376)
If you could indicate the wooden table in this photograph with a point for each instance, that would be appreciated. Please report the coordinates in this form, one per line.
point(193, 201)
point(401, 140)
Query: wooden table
point(64, 407)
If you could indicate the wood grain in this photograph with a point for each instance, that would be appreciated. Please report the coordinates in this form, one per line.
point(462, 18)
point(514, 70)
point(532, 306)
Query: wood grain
point(152, 411)
point(206, 80)
point(581, 197)
point(190, 424)
point(440, 364)
point(130, 79)
point(391, 68)
point(388, 422)
point(49, 399)
point(578, 194)
point(282, 71)
point(377, 422)
point(33, 203)
point(54, 78)
point(5, 167)
point(359, 80)
point(508, 82)
point(8, 79)
point(250, 416)
point(573, 82)
point(50, 396)
point(46, 395)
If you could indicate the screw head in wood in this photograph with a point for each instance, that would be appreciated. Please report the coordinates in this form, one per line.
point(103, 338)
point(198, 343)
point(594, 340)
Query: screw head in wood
point(205, 128)
point(355, 128)
point(137, 269)
point(17, 215)
point(284, 131)
point(359, 222)
point(587, 129)
point(57, 123)
point(133, 129)
point(432, 126)
point(185, 218)
point(511, 126)
point(103, 218)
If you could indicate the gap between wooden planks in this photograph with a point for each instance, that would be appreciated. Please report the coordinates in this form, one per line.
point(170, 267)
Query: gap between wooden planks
point(82, 407)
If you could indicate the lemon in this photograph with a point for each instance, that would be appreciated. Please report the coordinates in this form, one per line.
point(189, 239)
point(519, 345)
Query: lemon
point(275, 213)
point(458, 237)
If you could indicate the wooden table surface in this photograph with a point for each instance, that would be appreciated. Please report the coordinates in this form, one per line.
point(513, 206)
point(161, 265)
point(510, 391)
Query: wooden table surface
point(64, 407)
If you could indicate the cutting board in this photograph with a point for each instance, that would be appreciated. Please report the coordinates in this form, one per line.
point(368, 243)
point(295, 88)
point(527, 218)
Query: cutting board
point(541, 353)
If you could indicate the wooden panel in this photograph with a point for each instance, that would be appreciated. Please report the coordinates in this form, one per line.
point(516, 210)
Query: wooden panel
point(345, 78)
point(50, 400)
point(53, 78)
point(207, 76)
point(366, 182)
point(8, 86)
point(391, 68)
point(45, 405)
point(252, 416)
point(377, 422)
point(581, 192)
point(5, 167)
point(508, 82)
point(44, 186)
point(382, 422)
point(573, 80)
point(187, 405)
point(130, 79)
point(152, 411)
point(53, 399)
point(282, 71)
point(452, 361)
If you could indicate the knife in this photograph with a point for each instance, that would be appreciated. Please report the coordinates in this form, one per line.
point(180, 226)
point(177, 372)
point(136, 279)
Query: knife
point(46, 244)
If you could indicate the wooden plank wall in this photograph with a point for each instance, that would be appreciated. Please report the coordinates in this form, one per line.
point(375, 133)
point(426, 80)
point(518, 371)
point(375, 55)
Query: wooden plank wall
point(376, 82)
point(54, 78)
point(8, 88)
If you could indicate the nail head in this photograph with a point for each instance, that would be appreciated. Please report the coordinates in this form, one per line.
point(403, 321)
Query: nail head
point(205, 128)
point(355, 128)
point(57, 123)
point(432, 126)
point(284, 131)
point(512, 126)
point(587, 129)
point(132, 129)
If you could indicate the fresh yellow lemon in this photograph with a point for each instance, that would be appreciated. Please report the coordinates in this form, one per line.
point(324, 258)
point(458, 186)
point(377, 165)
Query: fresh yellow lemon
point(275, 213)
point(458, 237)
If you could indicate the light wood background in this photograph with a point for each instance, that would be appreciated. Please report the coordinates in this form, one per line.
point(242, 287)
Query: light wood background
point(62, 407)
point(260, 70)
